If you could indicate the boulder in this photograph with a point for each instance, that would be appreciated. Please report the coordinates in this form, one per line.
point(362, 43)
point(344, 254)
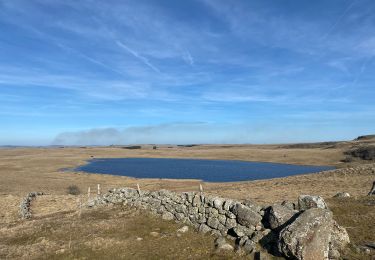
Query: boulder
point(278, 215)
point(246, 216)
point(309, 236)
point(308, 201)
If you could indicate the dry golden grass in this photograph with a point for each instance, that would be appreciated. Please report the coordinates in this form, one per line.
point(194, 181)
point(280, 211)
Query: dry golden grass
point(23, 170)
point(106, 233)
point(357, 215)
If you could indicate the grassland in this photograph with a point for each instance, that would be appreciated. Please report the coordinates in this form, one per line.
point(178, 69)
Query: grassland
point(39, 169)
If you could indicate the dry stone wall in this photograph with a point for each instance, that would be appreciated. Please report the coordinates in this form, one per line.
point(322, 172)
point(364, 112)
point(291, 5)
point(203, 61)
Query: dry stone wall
point(281, 229)
point(25, 206)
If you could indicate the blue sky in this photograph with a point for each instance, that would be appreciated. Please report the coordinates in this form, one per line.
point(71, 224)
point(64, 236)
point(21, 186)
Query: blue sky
point(195, 71)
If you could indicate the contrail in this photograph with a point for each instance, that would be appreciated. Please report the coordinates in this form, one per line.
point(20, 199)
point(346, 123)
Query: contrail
point(64, 47)
point(363, 68)
point(144, 60)
point(338, 20)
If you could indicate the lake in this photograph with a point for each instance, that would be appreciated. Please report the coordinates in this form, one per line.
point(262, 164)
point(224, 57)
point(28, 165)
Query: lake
point(206, 170)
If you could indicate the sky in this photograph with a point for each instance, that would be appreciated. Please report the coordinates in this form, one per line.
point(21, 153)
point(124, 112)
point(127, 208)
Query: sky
point(94, 72)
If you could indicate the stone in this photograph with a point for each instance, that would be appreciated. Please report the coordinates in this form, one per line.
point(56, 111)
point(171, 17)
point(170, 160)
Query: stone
point(249, 246)
point(221, 244)
point(196, 201)
point(180, 216)
point(339, 237)
point(203, 228)
point(167, 216)
point(227, 205)
point(215, 233)
point(222, 219)
point(342, 195)
point(308, 201)
point(184, 229)
point(201, 218)
point(220, 241)
point(218, 203)
point(278, 215)
point(209, 201)
point(161, 209)
point(139, 239)
point(246, 216)
point(258, 235)
point(226, 247)
point(333, 254)
point(288, 204)
point(25, 211)
point(241, 231)
point(252, 205)
point(308, 237)
point(192, 210)
point(213, 222)
point(213, 212)
point(189, 196)
point(230, 215)
point(154, 234)
point(241, 241)
point(181, 209)
point(230, 223)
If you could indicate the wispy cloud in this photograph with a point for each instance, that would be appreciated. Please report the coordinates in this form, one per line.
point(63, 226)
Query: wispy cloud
point(188, 58)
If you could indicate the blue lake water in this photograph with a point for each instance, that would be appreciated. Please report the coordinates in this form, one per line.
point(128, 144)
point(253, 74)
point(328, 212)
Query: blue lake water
point(206, 170)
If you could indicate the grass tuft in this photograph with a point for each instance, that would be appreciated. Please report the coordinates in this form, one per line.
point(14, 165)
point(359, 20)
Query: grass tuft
point(73, 190)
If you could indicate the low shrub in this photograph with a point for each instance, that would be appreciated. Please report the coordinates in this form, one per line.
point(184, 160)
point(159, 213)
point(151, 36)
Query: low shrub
point(74, 190)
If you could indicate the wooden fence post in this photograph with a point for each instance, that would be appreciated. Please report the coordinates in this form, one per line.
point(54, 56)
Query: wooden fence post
point(139, 190)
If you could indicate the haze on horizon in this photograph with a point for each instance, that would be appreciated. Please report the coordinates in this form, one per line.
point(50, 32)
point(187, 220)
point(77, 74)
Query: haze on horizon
point(200, 71)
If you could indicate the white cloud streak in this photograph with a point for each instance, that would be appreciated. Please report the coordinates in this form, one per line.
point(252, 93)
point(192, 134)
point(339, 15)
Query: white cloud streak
point(143, 59)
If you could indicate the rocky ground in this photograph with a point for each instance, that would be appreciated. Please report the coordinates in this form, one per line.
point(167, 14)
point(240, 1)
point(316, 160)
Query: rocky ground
point(58, 229)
